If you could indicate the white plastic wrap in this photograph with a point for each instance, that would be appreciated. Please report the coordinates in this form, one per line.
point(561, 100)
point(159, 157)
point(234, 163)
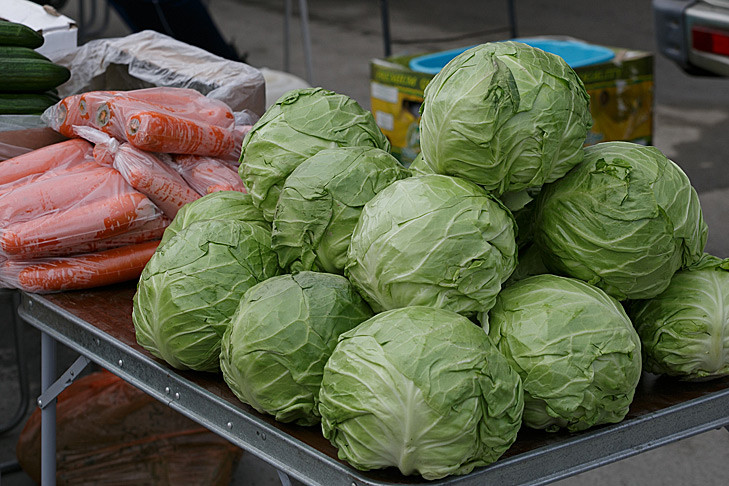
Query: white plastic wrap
point(148, 58)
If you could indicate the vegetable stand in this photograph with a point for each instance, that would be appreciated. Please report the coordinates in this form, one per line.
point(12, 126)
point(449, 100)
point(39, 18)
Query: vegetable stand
point(98, 325)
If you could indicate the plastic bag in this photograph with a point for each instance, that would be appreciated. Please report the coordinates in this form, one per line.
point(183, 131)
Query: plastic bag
point(206, 174)
point(148, 58)
point(111, 433)
point(146, 172)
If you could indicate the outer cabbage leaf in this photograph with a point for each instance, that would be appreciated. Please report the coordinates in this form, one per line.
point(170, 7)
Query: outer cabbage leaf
point(506, 116)
point(574, 347)
point(300, 124)
point(624, 220)
point(224, 205)
point(321, 202)
point(432, 240)
point(421, 389)
point(274, 351)
point(193, 284)
point(685, 329)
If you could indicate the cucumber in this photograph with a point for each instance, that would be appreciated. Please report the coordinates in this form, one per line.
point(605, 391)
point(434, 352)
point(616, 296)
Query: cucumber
point(14, 34)
point(31, 75)
point(19, 52)
point(26, 103)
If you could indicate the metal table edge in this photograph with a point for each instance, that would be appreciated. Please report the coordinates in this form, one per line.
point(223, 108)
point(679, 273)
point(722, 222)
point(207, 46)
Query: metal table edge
point(543, 465)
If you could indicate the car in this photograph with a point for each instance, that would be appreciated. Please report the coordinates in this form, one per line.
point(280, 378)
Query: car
point(694, 34)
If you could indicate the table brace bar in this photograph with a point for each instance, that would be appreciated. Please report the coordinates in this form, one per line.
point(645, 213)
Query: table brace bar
point(52, 392)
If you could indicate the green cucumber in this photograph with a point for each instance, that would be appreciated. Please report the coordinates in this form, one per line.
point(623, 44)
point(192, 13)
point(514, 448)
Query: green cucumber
point(31, 75)
point(26, 103)
point(20, 52)
point(14, 34)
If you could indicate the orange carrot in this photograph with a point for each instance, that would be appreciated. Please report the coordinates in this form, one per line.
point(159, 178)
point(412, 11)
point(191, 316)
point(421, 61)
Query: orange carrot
point(159, 132)
point(82, 271)
point(70, 168)
point(151, 230)
point(153, 177)
point(101, 218)
point(187, 103)
point(89, 104)
point(44, 159)
point(206, 174)
point(53, 194)
point(66, 115)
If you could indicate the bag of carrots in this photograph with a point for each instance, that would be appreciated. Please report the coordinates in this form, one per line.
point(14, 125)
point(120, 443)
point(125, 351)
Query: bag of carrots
point(169, 120)
point(43, 275)
point(149, 173)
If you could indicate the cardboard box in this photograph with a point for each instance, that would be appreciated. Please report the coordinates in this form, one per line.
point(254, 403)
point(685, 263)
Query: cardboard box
point(60, 32)
point(621, 99)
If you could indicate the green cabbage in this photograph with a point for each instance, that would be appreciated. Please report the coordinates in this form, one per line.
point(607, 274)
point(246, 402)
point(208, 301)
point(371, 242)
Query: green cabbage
point(432, 240)
point(224, 205)
point(506, 116)
point(321, 202)
point(574, 347)
point(421, 389)
point(300, 124)
point(274, 350)
point(685, 329)
point(624, 220)
point(193, 284)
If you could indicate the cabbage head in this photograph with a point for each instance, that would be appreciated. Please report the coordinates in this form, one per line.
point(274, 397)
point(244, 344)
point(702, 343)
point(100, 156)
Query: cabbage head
point(505, 115)
point(574, 347)
point(685, 329)
point(623, 220)
point(192, 285)
point(275, 348)
point(432, 240)
point(301, 123)
point(231, 205)
point(321, 202)
point(421, 389)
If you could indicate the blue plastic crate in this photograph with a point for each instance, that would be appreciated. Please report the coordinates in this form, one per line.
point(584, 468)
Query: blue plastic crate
point(575, 53)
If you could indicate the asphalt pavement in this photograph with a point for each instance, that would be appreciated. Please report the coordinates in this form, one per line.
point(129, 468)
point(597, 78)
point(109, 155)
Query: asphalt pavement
point(691, 116)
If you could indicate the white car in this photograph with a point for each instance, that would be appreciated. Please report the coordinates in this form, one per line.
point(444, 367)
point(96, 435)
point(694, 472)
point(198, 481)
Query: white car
point(694, 34)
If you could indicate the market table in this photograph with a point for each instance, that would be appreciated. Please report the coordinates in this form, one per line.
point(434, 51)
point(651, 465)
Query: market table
point(98, 325)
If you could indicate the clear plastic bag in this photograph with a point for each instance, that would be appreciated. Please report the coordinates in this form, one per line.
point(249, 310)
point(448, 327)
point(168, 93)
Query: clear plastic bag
point(146, 59)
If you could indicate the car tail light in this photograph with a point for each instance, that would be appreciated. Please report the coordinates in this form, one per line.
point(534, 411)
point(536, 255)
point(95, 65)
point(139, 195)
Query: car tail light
point(710, 40)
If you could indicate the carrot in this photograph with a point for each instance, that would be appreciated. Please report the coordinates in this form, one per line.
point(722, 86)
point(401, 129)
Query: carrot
point(70, 168)
point(82, 271)
point(54, 194)
point(66, 115)
point(89, 104)
point(159, 132)
point(44, 159)
point(82, 223)
point(151, 230)
point(187, 103)
point(206, 174)
point(153, 177)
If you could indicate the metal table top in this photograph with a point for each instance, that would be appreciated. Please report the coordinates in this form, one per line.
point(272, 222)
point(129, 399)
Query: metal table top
point(98, 324)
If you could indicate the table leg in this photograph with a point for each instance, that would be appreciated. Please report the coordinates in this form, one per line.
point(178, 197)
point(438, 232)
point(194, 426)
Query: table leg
point(48, 412)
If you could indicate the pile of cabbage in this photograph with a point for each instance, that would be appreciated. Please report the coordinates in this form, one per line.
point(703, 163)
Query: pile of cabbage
point(421, 316)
